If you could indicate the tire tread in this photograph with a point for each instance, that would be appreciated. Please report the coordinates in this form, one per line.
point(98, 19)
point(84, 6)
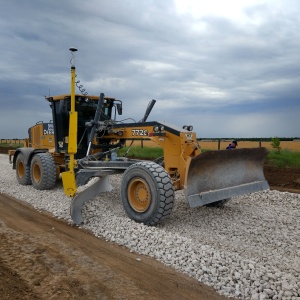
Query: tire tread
point(165, 190)
point(48, 171)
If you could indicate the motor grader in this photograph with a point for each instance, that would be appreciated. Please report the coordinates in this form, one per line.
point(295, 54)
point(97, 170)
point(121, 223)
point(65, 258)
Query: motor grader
point(81, 144)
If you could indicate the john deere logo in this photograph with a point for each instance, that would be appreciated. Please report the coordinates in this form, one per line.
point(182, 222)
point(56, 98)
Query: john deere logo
point(48, 129)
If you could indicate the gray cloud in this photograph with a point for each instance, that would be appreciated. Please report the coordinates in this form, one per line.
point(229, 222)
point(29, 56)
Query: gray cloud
point(225, 76)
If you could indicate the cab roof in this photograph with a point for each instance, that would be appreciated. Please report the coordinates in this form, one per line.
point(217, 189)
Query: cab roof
point(67, 96)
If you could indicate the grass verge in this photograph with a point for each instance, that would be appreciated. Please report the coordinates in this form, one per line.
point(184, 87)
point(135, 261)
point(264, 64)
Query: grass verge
point(284, 158)
point(143, 153)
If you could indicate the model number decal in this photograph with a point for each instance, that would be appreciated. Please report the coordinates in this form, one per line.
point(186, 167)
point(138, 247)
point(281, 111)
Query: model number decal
point(139, 132)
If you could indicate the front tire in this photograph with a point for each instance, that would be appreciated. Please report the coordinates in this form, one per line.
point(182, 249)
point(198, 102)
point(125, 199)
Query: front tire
point(22, 170)
point(147, 193)
point(43, 171)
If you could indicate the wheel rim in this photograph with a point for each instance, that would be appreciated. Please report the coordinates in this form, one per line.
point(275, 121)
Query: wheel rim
point(36, 173)
point(21, 169)
point(139, 195)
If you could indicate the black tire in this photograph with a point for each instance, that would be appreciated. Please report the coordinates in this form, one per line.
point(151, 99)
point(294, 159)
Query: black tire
point(43, 171)
point(22, 170)
point(219, 204)
point(147, 193)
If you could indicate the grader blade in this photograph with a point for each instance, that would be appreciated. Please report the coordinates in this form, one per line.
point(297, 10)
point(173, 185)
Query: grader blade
point(99, 186)
point(217, 175)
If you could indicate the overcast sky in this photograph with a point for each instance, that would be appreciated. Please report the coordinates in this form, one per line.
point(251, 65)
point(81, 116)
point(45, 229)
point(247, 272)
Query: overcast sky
point(229, 68)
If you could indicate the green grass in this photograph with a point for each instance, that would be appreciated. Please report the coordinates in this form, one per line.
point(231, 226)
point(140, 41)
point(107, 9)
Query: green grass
point(284, 158)
point(139, 152)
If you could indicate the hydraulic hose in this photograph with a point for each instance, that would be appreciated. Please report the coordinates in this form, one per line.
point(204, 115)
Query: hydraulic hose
point(94, 123)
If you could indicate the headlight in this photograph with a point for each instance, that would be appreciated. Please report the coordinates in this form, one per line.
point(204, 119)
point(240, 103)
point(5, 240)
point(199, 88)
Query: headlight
point(185, 127)
point(161, 127)
point(155, 128)
point(190, 128)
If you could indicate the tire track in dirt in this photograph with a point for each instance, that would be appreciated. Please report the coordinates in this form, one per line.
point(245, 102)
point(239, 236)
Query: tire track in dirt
point(45, 258)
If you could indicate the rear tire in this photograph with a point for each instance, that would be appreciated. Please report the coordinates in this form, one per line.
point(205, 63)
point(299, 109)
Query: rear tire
point(22, 170)
point(147, 193)
point(43, 171)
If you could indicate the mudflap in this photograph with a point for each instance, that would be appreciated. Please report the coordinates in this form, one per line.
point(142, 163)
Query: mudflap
point(99, 186)
point(218, 175)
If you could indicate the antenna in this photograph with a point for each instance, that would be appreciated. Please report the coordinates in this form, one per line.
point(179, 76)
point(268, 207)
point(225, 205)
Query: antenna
point(69, 175)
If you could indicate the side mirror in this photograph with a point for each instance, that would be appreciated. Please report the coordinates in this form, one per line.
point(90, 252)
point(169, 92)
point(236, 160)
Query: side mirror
point(119, 108)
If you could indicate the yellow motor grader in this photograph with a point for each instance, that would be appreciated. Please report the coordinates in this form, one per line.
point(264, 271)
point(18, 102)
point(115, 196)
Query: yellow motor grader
point(81, 143)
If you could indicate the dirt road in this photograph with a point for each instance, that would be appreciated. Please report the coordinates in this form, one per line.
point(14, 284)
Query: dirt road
point(283, 179)
point(44, 258)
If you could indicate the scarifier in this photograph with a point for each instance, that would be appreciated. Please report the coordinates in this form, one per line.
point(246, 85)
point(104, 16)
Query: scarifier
point(81, 144)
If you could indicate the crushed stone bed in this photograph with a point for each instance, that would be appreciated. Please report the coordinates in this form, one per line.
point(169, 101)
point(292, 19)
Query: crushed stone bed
point(250, 249)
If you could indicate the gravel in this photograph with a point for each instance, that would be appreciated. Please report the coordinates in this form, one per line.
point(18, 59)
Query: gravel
point(250, 249)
